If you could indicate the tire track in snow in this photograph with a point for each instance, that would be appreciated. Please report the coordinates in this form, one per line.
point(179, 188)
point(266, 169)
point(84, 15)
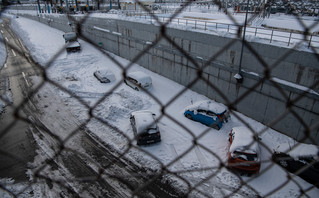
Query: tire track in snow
point(179, 164)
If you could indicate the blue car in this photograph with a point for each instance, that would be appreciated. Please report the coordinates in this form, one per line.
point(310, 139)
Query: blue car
point(208, 113)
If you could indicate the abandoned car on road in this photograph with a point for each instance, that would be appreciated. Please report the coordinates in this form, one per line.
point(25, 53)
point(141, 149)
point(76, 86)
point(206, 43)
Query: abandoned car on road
point(207, 112)
point(145, 127)
point(244, 151)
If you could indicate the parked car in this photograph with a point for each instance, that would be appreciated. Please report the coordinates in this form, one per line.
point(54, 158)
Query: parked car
point(138, 80)
point(208, 112)
point(145, 128)
point(301, 157)
point(104, 75)
point(244, 151)
point(72, 44)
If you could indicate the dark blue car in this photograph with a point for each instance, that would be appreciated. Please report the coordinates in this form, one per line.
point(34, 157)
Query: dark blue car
point(207, 112)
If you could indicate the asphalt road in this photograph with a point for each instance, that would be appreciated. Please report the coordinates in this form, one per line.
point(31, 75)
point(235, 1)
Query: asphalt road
point(16, 145)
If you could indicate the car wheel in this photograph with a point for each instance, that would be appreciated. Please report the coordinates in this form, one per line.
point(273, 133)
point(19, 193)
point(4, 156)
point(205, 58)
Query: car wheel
point(215, 126)
point(189, 116)
point(136, 89)
point(283, 163)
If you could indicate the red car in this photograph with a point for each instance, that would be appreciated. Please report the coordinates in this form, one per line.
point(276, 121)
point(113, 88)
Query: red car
point(244, 151)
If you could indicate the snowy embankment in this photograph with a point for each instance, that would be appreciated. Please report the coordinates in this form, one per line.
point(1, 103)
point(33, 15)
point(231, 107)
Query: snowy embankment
point(75, 72)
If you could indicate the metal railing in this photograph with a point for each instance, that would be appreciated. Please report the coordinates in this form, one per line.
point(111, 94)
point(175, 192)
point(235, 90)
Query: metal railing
point(289, 37)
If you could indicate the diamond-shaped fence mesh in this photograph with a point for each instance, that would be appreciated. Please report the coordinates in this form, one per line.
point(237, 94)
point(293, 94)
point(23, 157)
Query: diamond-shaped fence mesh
point(268, 73)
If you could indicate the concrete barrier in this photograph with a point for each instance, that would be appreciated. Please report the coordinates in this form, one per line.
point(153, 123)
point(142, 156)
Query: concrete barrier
point(179, 55)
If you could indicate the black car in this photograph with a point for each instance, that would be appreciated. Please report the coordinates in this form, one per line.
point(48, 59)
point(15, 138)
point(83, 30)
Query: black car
point(145, 127)
point(305, 165)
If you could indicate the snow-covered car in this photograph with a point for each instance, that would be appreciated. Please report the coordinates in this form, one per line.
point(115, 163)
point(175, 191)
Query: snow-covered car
point(71, 42)
point(138, 80)
point(104, 75)
point(244, 151)
point(73, 46)
point(301, 159)
point(145, 128)
point(208, 112)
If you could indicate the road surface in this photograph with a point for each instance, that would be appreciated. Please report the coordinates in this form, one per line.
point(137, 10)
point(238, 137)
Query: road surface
point(45, 123)
point(16, 144)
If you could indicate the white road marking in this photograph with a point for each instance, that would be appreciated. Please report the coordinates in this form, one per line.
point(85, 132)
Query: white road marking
point(1, 31)
point(2, 25)
point(6, 39)
point(25, 79)
point(5, 65)
point(14, 54)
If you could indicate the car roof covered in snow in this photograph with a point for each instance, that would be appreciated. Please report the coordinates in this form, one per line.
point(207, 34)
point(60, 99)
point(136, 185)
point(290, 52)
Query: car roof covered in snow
point(106, 73)
point(244, 140)
point(299, 150)
point(144, 120)
point(207, 105)
point(140, 76)
point(70, 36)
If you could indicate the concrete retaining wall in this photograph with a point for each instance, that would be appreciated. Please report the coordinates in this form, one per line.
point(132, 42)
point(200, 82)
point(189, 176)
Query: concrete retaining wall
point(220, 57)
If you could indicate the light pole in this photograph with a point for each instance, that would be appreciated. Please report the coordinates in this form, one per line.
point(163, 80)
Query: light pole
point(239, 76)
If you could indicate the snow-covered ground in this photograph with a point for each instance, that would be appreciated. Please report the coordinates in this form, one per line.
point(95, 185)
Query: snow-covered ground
point(74, 72)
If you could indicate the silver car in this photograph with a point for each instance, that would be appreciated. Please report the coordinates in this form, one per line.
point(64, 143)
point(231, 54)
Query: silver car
point(138, 80)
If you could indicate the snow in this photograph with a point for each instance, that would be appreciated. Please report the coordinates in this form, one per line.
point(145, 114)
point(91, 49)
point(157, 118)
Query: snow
point(207, 105)
point(243, 140)
point(70, 36)
point(283, 82)
point(106, 73)
point(290, 84)
point(74, 72)
point(144, 120)
point(101, 29)
point(299, 150)
point(141, 77)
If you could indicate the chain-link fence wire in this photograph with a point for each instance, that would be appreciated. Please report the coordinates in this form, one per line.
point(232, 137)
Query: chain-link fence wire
point(150, 176)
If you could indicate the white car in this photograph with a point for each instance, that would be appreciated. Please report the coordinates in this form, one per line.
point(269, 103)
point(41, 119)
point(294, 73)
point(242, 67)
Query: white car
point(138, 80)
point(104, 75)
point(145, 127)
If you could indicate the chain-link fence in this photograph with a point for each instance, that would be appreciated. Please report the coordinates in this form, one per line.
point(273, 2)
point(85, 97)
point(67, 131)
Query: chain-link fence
point(72, 160)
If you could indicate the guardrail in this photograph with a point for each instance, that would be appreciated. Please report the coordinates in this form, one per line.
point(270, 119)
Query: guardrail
point(271, 34)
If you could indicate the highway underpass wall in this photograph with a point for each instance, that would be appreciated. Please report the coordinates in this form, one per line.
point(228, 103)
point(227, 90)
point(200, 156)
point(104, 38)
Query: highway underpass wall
point(291, 70)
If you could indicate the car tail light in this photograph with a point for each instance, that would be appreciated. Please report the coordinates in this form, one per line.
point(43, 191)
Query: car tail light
point(139, 84)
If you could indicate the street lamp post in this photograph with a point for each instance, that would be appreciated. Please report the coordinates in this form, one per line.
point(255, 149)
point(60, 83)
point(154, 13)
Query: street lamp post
point(239, 76)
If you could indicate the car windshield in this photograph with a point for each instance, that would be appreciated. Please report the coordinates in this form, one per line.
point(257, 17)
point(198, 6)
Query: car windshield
point(152, 130)
point(245, 156)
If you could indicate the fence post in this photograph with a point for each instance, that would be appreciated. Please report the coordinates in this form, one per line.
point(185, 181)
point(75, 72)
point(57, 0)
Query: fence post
point(310, 40)
point(186, 21)
point(205, 25)
point(256, 32)
point(177, 21)
point(272, 33)
point(228, 28)
point(216, 26)
point(289, 38)
point(195, 24)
